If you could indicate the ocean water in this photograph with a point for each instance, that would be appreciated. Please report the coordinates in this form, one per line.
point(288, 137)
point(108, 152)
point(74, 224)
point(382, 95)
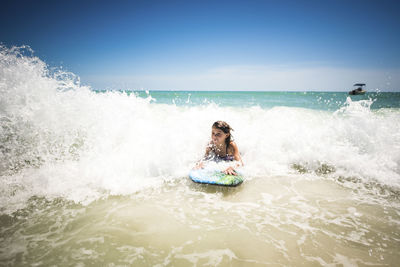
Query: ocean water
point(99, 178)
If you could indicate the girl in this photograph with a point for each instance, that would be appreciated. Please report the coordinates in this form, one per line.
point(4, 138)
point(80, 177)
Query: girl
point(222, 147)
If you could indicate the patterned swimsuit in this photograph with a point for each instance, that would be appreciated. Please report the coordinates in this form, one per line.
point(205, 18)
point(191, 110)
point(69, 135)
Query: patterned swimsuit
point(215, 157)
point(225, 158)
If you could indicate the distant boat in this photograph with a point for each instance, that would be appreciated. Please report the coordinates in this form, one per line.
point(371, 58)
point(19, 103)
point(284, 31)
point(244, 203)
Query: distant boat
point(359, 90)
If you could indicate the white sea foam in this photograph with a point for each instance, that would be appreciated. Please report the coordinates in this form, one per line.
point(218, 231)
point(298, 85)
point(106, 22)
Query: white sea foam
point(61, 139)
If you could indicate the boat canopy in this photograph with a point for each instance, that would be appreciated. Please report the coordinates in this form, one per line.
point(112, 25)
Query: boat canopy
point(359, 84)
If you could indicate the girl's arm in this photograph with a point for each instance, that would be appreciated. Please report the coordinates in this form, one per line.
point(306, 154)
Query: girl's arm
point(236, 155)
point(200, 163)
point(208, 150)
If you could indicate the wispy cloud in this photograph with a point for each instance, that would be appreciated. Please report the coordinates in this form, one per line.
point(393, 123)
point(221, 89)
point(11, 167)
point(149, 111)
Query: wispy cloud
point(256, 77)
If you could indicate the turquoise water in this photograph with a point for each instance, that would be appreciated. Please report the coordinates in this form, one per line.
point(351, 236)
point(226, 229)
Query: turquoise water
point(313, 100)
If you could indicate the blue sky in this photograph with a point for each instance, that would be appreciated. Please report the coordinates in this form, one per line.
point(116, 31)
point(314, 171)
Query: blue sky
point(213, 45)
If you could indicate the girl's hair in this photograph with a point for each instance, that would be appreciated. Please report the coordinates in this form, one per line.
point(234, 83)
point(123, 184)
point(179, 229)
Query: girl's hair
point(223, 126)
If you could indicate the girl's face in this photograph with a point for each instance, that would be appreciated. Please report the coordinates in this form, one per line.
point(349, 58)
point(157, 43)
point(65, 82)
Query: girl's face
point(218, 136)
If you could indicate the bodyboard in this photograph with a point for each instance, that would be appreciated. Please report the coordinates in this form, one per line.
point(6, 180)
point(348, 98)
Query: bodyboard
point(215, 177)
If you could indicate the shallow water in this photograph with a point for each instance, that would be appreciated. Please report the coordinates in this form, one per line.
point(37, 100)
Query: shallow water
point(89, 178)
point(292, 220)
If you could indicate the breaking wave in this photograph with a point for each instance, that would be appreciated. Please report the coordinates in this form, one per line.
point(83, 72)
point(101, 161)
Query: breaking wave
point(59, 138)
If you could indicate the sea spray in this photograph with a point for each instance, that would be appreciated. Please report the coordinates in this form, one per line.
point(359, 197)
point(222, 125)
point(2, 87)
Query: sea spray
point(62, 139)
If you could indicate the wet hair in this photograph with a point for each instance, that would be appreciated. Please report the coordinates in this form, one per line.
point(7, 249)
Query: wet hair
point(223, 126)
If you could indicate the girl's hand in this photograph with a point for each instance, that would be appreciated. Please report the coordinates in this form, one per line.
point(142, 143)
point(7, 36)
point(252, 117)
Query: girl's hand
point(230, 171)
point(199, 165)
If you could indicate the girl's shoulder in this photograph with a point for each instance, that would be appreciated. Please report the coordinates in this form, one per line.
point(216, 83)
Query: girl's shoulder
point(232, 146)
point(232, 143)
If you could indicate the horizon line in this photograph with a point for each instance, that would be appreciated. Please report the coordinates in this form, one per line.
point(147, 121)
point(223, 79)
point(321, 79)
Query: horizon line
point(233, 91)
